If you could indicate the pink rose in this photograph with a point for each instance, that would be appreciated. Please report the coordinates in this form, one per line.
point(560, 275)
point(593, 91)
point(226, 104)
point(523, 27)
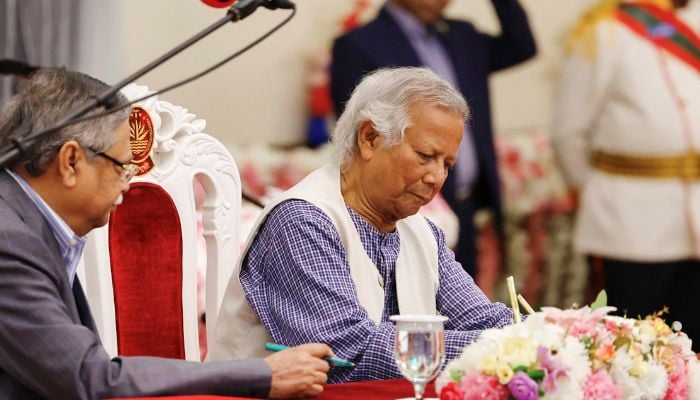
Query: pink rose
point(678, 383)
point(580, 329)
point(600, 386)
point(476, 386)
point(450, 392)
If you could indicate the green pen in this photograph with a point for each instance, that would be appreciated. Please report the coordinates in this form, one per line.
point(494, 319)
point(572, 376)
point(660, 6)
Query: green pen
point(339, 362)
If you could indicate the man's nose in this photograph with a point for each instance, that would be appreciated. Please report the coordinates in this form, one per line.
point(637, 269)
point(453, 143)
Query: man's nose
point(437, 173)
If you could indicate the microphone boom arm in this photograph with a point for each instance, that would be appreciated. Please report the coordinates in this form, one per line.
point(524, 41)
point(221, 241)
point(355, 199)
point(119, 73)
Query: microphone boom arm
point(13, 151)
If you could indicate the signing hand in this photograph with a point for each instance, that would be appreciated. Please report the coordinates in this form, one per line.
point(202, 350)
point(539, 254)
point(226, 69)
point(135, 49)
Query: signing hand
point(299, 371)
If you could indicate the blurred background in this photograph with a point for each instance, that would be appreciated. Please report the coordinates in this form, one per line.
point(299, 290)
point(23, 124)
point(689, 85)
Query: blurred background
point(262, 96)
point(259, 105)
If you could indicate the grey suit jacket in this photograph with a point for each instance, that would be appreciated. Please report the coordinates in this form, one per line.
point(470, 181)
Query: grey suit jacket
point(47, 352)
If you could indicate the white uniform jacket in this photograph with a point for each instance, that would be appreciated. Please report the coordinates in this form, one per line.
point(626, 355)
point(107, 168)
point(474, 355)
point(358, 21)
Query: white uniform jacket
point(630, 97)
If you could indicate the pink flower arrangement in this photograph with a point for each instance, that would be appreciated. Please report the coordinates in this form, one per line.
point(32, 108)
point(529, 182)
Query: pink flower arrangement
point(477, 386)
point(600, 386)
point(678, 382)
point(580, 353)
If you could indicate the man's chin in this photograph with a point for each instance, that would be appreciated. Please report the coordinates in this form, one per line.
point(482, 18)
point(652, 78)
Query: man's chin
point(105, 219)
point(410, 211)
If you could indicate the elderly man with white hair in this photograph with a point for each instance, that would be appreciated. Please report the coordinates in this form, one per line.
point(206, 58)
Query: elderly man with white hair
point(332, 258)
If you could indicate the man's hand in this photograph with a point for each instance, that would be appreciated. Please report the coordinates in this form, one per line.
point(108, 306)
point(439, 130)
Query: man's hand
point(299, 371)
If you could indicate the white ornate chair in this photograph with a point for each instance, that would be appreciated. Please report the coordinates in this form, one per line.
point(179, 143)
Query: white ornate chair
point(146, 303)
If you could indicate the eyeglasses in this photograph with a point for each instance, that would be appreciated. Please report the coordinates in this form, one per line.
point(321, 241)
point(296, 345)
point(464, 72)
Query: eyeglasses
point(128, 170)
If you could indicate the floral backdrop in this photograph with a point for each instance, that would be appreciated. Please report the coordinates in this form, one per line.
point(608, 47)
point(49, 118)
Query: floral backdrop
point(539, 216)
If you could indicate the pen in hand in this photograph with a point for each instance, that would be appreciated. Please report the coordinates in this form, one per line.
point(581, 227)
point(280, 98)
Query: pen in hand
point(339, 362)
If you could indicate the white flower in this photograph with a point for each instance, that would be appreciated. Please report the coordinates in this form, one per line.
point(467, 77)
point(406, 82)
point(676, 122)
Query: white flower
point(518, 350)
point(575, 356)
point(619, 372)
point(535, 321)
point(567, 389)
point(504, 373)
point(514, 345)
point(650, 385)
point(654, 382)
point(639, 367)
point(684, 343)
point(473, 354)
point(488, 365)
point(495, 335)
point(550, 336)
point(645, 334)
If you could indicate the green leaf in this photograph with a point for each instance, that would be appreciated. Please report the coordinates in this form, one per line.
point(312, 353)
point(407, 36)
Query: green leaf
point(456, 375)
point(587, 341)
point(622, 341)
point(600, 301)
point(536, 374)
point(520, 368)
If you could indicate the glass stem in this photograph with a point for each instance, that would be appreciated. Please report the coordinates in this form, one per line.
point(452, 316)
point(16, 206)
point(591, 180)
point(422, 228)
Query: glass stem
point(419, 388)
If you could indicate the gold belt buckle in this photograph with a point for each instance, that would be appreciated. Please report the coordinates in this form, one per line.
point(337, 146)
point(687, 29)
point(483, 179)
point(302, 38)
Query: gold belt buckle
point(690, 166)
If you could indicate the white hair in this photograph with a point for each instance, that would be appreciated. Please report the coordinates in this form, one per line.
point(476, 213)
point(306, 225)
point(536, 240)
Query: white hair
point(385, 97)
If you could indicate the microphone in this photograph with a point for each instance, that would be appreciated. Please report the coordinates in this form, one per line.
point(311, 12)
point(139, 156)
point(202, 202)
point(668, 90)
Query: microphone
point(269, 4)
point(281, 4)
point(218, 3)
point(16, 67)
point(244, 8)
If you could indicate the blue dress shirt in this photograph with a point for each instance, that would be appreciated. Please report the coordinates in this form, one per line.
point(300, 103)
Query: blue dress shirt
point(70, 244)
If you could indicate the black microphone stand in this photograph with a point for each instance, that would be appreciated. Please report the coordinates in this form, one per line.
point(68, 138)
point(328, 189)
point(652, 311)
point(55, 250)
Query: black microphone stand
point(12, 152)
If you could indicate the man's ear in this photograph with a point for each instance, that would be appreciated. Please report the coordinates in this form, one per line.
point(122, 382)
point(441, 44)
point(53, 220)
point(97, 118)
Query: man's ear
point(70, 161)
point(368, 139)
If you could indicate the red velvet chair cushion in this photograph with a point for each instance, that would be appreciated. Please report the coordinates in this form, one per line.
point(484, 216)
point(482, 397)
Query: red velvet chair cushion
point(145, 246)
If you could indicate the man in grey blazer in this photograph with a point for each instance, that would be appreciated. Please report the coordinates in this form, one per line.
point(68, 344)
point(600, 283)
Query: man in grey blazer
point(65, 185)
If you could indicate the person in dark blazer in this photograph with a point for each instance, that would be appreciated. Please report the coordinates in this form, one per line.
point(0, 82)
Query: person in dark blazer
point(415, 33)
point(63, 186)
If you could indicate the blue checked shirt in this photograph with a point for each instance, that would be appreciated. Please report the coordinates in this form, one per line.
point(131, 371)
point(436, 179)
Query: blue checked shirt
point(297, 278)
point(70, 244)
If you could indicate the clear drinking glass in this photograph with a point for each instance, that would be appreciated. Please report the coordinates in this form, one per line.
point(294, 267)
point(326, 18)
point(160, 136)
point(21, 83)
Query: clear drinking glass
point(419, 348)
